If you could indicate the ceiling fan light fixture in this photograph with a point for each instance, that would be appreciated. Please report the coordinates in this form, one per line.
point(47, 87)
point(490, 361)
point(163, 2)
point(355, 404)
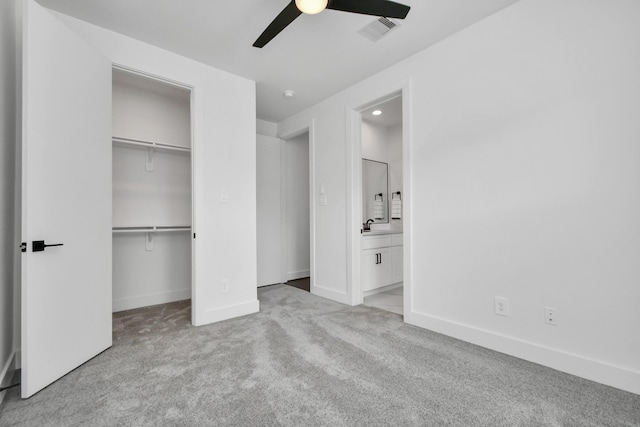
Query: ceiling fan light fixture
point(311, 7)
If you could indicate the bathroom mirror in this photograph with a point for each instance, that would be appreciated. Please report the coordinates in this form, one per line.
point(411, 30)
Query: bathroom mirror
point(375, 192)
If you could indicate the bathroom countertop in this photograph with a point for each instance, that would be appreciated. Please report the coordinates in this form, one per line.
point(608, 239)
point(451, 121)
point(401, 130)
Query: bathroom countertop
point(379, 232)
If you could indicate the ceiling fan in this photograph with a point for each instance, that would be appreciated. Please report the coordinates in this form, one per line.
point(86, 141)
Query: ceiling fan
point(295, 8)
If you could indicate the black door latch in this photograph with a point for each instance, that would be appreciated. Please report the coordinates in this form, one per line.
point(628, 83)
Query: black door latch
point(23, 247)
point(39, 246)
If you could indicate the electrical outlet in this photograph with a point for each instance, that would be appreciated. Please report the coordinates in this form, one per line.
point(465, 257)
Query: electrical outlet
point(551, 316)
point(501, 306)
point(225, 286)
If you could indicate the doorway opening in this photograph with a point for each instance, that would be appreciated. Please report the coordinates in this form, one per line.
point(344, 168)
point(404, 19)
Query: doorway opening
point(152, 200)
point(284, 210)
point(297, 258)
point(381, 261)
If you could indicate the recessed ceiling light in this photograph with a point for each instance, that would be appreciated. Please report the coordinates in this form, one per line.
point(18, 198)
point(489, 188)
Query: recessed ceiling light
point(376, 112)
point(288, 94)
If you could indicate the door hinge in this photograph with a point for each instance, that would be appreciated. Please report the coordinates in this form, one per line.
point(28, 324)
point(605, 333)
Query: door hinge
point(23, 247)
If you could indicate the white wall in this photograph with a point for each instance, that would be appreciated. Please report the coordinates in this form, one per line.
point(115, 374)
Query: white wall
point(266, 128)
point(522, 162)
point(224, 138)
point(375, 142)
point(9, 84)
point(150, 110)
point(269, 210)
point(296, 177)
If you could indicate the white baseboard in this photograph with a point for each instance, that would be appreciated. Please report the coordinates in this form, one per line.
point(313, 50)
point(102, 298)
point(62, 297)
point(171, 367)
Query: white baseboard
point(229, 312)
point(7, 373)
point(601, 372)
point(300, 274)
point(150, 299)
point(331, 294)
point(382, 289)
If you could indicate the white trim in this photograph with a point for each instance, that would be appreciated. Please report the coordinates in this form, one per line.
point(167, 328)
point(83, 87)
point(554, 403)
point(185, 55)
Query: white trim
point(299, 274)
point(283, 211)
point(229, 312)
point(331, 294)
point(151, 299)
point(7, 372)
point(354, 203)
point(601, 372)
point(407, 185)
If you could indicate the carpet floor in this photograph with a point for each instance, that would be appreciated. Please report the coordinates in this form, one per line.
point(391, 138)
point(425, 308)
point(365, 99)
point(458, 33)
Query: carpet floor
point(307, 361)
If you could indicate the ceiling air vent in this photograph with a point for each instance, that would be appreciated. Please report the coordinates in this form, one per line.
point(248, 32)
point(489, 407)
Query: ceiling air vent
point(377, 29)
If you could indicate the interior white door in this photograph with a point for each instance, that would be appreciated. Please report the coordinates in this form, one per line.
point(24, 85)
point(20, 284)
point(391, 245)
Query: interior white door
point(268, 207)
point(66, 198)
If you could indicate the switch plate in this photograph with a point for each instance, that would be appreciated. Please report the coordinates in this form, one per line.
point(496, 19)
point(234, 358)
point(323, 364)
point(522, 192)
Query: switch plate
point(224, 196)
point(501, 306)
point(551, 316)
point(225, 286)
point(323, 200)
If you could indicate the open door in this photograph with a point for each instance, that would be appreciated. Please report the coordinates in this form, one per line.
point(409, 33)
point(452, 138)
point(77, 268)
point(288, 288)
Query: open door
point(66, 199)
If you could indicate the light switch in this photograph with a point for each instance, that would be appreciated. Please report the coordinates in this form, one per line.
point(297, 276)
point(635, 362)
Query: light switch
point(323, 200)
point(224, 196)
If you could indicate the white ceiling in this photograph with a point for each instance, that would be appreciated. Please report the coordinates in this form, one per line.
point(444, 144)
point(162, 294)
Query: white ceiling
point(390, 113)
point(316, 56)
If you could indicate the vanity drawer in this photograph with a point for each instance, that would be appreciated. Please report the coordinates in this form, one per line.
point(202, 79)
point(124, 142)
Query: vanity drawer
point(372, 242)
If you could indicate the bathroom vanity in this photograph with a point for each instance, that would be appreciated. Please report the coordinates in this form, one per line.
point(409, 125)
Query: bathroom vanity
point(381, 261)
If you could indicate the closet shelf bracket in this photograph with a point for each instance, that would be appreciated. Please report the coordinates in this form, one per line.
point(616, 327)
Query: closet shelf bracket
point(149, 243)
point(149, 159)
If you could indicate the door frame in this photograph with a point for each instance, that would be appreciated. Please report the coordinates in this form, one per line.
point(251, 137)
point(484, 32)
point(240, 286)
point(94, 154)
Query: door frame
point(310, 129)
point(354, 188)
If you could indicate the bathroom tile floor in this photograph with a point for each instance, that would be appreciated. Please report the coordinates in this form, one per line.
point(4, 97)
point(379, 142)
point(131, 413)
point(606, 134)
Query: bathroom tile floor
point(391, 300)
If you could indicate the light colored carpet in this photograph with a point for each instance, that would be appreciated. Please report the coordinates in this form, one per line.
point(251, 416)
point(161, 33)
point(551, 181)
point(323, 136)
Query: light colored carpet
point(306, 361)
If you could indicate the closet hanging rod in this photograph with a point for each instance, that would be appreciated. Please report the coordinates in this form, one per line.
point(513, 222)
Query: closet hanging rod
point(150, 144)
point(151, 229)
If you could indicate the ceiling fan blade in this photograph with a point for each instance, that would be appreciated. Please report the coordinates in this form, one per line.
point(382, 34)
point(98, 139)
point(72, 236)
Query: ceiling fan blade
point(386, 8)
point(285, 18)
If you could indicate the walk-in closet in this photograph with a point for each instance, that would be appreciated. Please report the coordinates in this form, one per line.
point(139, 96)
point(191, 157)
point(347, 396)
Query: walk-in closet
point(152, 191)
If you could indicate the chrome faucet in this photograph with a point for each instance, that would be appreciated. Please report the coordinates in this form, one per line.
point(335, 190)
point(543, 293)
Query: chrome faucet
point(367, 225)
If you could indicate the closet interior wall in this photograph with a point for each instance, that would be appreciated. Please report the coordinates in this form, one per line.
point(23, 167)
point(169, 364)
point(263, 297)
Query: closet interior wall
point(152, 191)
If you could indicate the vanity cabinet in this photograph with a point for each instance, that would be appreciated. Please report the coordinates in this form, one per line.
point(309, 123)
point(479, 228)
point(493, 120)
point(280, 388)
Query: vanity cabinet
point(381, 261)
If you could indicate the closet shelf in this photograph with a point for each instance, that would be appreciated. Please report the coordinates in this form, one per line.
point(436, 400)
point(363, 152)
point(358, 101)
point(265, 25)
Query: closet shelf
point(150, 144)
point(151, 229)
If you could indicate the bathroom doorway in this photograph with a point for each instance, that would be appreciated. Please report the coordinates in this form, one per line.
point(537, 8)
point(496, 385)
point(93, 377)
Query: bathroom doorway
point(379, 240)
point(382, 193)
